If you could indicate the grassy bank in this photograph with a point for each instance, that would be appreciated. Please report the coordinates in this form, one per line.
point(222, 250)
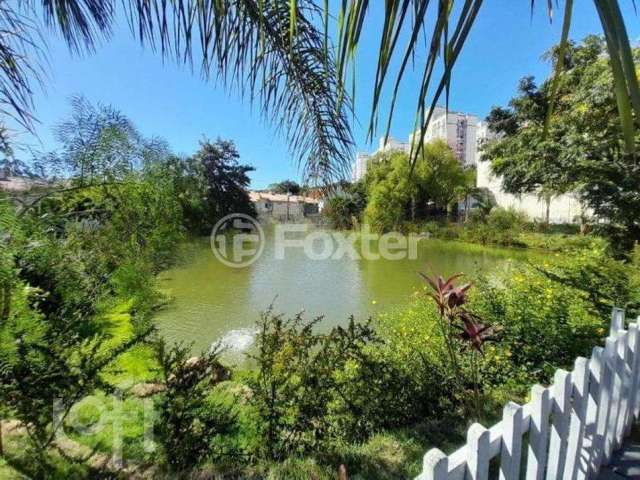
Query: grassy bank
point(506, 228)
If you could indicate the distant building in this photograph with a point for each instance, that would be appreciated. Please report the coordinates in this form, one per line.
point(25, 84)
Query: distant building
point(283, 207)
point(457, 129)
point(361, 166)
point(20, 185)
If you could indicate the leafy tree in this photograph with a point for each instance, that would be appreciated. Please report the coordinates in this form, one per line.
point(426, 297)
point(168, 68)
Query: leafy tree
point(210, 184)
point(284, 187)
point(583, 148)
point(315, 390)
point(52, 348)
point(98, 144)
point(396, 193)
point(344, 209)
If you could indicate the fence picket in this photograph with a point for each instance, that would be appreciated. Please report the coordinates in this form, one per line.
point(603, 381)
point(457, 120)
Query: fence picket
point(634, 343)
point(590, 440)
point(511, 450)
point(580, 379)
point(538, 432)
point(561, 391)
point(573, 426)
point(636, 403)
point(616, 397)
point(625, 392)
point(617, 321)
point(606, 400)
point(435, 465)
point(478, 452)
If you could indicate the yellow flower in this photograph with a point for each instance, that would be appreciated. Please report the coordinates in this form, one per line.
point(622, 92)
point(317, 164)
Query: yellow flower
point(373, 302)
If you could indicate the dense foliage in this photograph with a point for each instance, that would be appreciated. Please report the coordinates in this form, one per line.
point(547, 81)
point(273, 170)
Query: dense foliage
point(190, 423)
point(344, 209)
point(398, 192)
point(73, 253)
point(580, 149)
point(286, 187)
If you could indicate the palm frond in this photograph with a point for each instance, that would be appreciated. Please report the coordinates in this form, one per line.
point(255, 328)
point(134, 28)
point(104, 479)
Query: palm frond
point(20, 50)
point(443, 44)
point(274, 54)
point(559, 67)
point(81, 22)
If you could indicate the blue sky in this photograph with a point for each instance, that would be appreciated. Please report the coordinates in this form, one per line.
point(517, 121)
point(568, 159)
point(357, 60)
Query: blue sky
point(174, 103)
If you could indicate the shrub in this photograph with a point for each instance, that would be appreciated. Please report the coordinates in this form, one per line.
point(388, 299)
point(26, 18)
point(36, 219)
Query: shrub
point(345, 211)
point(313, 390)
point(191, 424)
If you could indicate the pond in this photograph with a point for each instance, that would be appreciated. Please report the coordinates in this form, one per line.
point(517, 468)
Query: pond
point(214, 302)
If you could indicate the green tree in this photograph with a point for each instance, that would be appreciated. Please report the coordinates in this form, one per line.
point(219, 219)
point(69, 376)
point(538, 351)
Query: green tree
point(226, 181)
point(285, 186)
point(344, 209)
point(397, 193)
point(582, 150)
point(190, 423)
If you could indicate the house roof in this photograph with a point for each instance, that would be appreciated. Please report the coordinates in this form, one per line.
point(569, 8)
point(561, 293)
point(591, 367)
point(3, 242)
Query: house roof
point(280, 197)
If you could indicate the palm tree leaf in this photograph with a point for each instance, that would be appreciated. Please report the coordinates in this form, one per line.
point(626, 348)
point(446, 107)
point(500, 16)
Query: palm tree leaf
point(274, 54)
point(559, 67)
point(81, 22)
point(615, 35)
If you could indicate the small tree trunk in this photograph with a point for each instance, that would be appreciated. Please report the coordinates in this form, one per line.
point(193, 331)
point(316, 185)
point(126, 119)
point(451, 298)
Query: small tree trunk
point(466, 208)
point(547, 200)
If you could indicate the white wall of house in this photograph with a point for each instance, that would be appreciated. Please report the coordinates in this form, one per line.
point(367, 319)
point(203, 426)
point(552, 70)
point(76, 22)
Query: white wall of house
point(281, 207)
point(562, 209)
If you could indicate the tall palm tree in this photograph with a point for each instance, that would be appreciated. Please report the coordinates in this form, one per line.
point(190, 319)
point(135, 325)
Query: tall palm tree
point(279, 53)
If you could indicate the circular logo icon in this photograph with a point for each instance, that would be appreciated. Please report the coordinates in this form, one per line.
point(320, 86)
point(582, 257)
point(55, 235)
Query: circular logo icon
point(237, 240)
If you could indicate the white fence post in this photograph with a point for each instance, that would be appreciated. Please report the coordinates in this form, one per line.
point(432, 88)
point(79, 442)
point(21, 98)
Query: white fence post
point(625, 393)
point(618, 391)
point(580, 378)
point(636, 405)
point(511, 450)
point(590, 442)
point(634, 344)
point(538, 432)
point(559, 425)
point(435, 465)
point(610, 440)
point(478, 452)
point(617, 321)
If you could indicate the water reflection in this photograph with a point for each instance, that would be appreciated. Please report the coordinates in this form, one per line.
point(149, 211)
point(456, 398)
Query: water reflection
point(214, 302)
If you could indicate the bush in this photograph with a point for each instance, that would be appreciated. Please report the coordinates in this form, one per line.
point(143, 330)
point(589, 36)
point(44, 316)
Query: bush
point(316, 390)
point(345, 211)
point(191, 424)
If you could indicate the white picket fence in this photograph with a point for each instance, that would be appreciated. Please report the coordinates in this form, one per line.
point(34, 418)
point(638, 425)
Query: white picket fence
point(573, 426)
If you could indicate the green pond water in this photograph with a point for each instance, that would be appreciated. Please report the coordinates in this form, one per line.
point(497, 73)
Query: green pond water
point(213, 302)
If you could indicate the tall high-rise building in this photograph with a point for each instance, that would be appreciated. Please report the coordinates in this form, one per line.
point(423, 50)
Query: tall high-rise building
point(455, 128)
